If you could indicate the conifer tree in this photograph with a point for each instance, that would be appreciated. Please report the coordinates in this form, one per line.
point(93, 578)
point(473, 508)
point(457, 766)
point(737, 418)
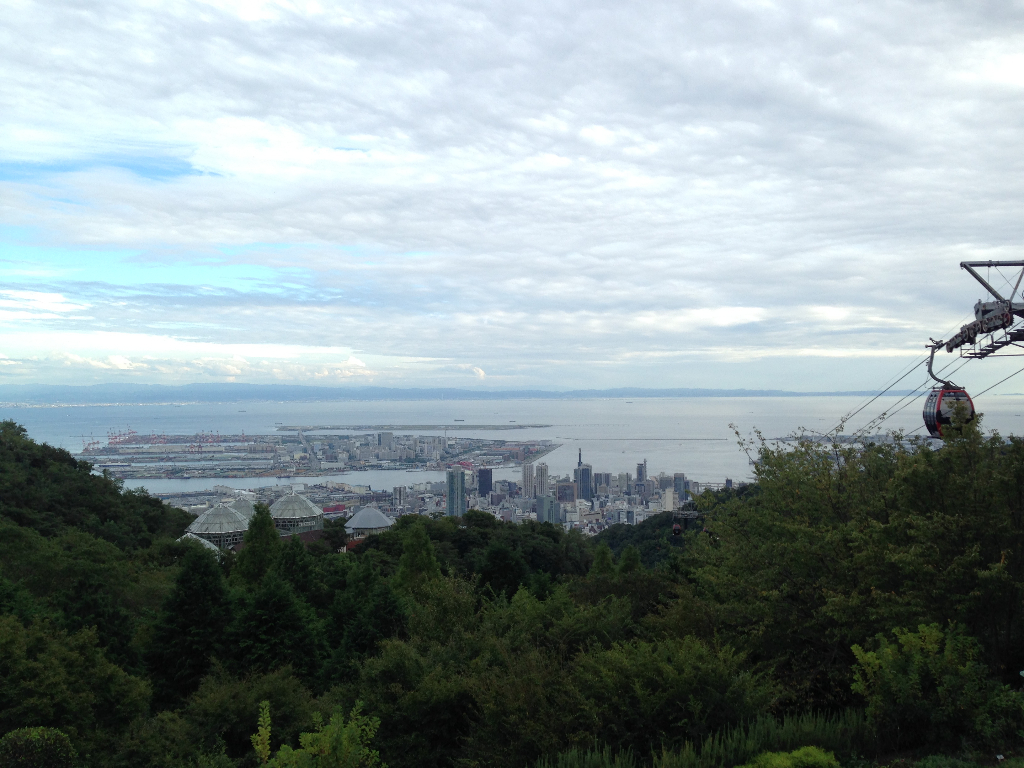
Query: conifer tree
point(296, 566)
point(190, 630)
point(262, 546)
point(418, 563)
point(629, 561)
point(274, 628)
point(603, 564)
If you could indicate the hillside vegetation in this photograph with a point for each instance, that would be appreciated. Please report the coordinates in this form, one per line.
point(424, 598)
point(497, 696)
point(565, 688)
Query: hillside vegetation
point(853, 605)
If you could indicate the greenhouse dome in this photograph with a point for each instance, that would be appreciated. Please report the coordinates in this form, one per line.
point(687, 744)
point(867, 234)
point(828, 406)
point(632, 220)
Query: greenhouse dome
point(296, 514)
point(221, 525)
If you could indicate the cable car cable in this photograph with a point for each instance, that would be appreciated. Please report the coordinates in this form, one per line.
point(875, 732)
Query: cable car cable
point(913, 394)
point(999, 382)
point(882, 418)
point(978, 395)
point(901, 375)
point(850, 415)
point(886, 415)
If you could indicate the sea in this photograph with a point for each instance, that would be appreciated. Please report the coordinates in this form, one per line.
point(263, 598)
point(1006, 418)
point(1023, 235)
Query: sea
point(700, 436)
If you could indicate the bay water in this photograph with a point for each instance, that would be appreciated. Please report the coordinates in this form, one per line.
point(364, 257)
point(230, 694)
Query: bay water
point(691, 434)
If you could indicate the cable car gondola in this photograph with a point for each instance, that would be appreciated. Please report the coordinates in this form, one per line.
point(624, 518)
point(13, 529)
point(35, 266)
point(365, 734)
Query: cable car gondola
point(942, 401)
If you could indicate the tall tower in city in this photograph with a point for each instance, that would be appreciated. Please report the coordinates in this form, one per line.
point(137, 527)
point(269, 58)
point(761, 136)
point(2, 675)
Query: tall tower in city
point(456, 493)
point(540, 482)
point(527, 481)
point(484, 481)
point(548, 510)
point(583, 476)
point(679, 485)
point(641, 472)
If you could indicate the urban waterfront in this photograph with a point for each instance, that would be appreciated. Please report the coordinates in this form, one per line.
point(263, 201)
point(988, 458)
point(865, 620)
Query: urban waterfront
point(690, 435)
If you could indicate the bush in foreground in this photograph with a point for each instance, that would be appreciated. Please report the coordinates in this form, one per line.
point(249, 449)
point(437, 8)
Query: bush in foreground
point(37, 748)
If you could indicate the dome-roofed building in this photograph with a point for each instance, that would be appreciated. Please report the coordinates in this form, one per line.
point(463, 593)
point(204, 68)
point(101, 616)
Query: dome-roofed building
point(221, 525)
point(205, 544)
point(296, 514)
point(368, 520)
point(243, 507)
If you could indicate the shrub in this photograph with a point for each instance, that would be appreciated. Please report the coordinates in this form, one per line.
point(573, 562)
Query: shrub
point(805, 757)
point(37, 748)
point(814, 737)
point(590, 758)
point(929, 686)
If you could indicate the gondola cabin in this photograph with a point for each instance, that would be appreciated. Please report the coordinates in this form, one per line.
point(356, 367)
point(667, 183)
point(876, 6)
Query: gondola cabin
point(677, 529)
point(940, 405)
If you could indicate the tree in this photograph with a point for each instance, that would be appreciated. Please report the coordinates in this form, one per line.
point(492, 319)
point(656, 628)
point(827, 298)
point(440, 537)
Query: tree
point(273, 628)
point(504, 569)
point(48, 490)
point(190, 630)
point(37, 748)
point(223, 710)
point(340, 744)
point(418, 563)
point(296, 566)
point(629, 561)
point(365, 613)
point(53, 679)
point(262, 546)
point(930, 687)
point(603, 564)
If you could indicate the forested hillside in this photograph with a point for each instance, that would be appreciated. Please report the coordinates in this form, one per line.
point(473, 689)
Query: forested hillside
point(866, 601)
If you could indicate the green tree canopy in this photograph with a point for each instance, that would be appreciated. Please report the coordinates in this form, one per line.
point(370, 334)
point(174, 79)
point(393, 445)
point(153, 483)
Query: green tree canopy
point(262, 547)
point(418, 563)
point(191, 629)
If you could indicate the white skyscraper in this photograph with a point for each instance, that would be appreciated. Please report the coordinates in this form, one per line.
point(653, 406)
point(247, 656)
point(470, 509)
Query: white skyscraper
point(527, 481)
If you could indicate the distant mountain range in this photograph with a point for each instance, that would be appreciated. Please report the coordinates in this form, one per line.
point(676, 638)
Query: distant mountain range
point(97, 394)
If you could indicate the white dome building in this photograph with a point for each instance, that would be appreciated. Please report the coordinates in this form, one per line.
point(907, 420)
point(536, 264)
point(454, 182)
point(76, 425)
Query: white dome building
point(366, 521)
point(221, 525)
point(203, 542)
point(296, 514)
point(243, 507)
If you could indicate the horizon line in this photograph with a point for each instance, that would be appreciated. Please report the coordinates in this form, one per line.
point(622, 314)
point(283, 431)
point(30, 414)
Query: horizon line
point(211, 392)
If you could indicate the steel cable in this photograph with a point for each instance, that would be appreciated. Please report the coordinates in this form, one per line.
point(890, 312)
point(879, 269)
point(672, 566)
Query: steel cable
point(886, 415)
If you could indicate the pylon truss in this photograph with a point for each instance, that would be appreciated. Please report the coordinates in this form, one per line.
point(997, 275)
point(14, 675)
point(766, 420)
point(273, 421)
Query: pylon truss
point(995, 326)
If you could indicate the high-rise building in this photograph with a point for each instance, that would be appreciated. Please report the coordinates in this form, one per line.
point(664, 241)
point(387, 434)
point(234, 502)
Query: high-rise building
point(565, 492)
point(484, 483)
point(528, 481)
point(668, 500)
point(624, 482)
point(641, 472)
point(548, 510)
point(602, 478)
point(583, 476)
point(456, 493)
point(386, 439)
point(540, 480)
point(398, 496)
point(679, 485)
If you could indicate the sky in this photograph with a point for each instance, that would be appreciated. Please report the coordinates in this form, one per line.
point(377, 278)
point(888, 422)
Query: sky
point(502, 194)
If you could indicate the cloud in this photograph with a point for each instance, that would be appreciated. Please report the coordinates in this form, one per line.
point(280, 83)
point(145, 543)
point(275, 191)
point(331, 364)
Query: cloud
point(559, 195)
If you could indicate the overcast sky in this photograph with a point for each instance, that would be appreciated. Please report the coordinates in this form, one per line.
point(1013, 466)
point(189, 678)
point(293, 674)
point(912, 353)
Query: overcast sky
point(502, 194)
